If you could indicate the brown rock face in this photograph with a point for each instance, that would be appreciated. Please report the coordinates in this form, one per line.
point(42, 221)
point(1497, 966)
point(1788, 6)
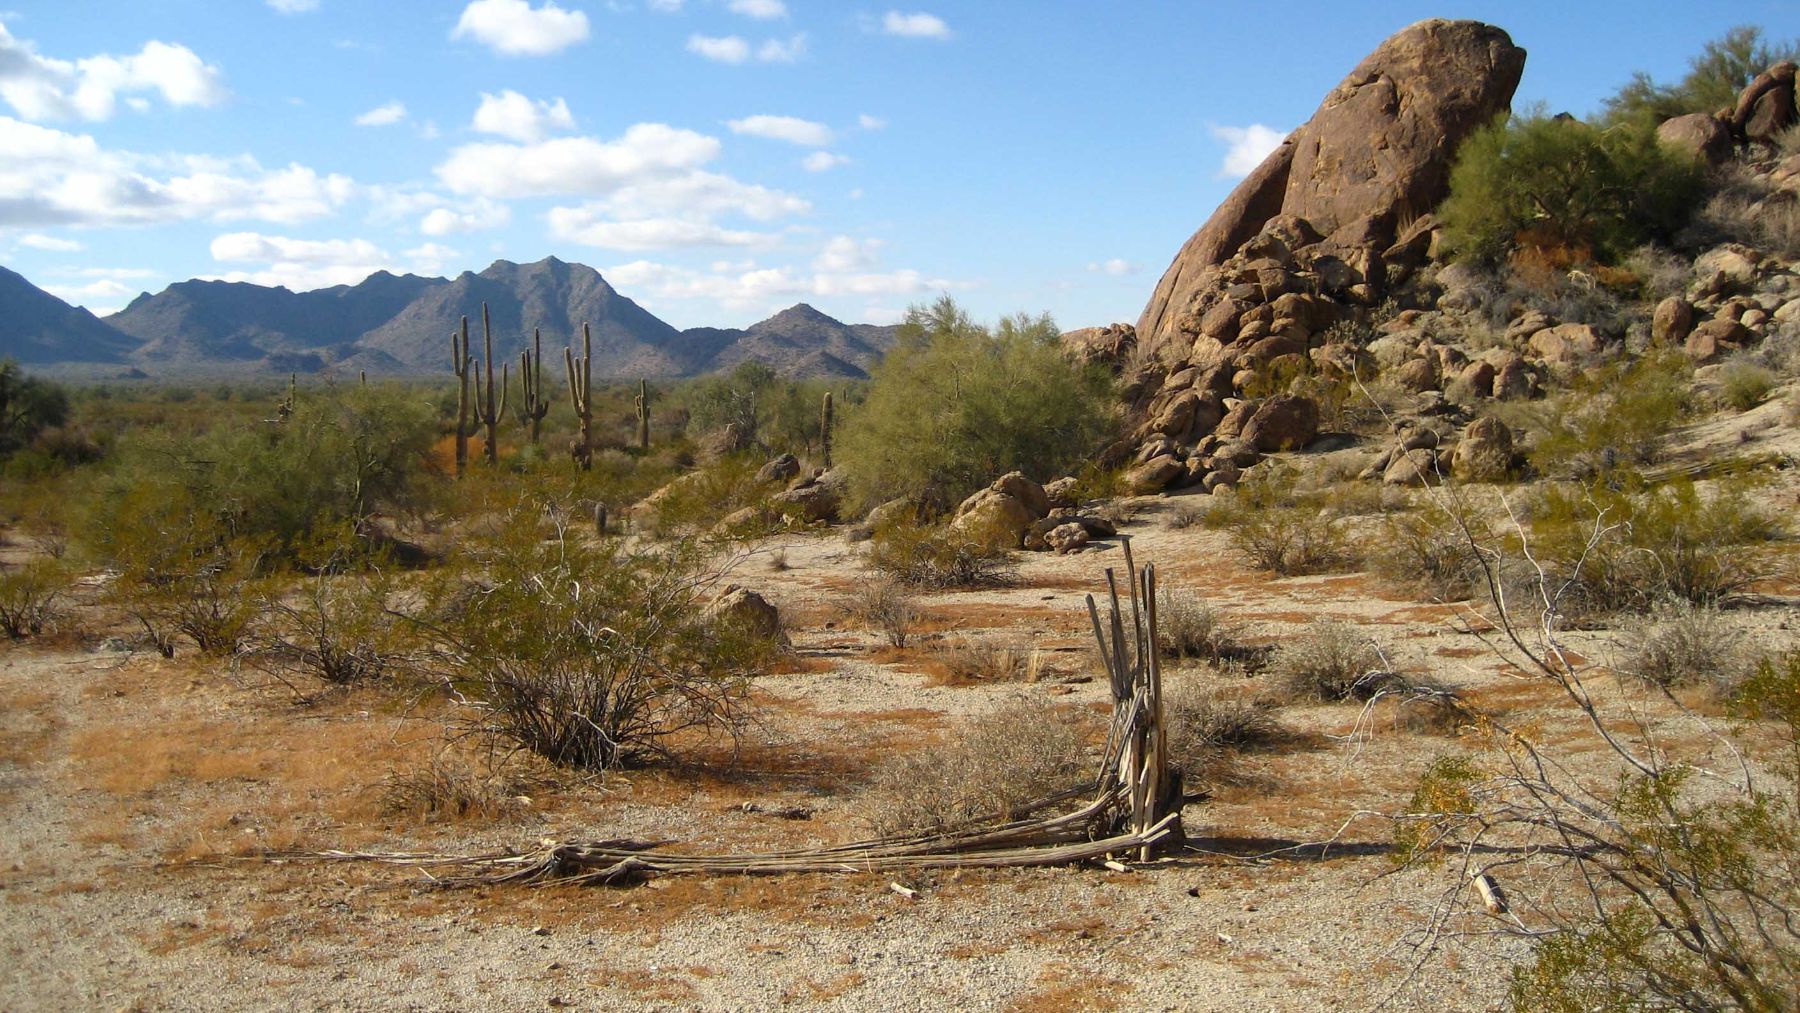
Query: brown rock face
point(1485, 452)
point(1766, 106)
point(1702, 134)
point(1377, 151)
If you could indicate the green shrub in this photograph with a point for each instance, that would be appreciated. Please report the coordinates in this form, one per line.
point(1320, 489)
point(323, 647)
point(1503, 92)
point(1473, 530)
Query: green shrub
point(1615, 418)
point(936, 557)
point(1563, 185)
point(589, 655)
point(1714, 78)
point(1744, 385)
point(28, 594)
point(1429, 550)
point(28, 405)
point(1609, 548)
point(953, 405)
point(1280, 528)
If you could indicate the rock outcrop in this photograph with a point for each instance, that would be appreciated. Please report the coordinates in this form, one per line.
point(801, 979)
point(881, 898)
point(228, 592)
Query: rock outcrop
point(1375, 155)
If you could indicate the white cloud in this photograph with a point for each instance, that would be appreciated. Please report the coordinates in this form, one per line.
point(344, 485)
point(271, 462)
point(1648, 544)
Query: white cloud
point(665, 6)
point(293, 6)
point(42, 88)
point(767, 287)
point(52, 244)
point(105, 290)
point(584, 225)
point(778, 51)
point(1246, 147)
point(1116, 267)
point(49, 177)
point(843, 253)
point(868, 122)
point(760, 9)
point(298, 264)
point(791, 129)
point(578, 165)
point(510, 114)
point(478, 214)
point(430, 257)
point(919, 25)
point(704, 195)
point(385, 115)
point(823, 161)
point(515, 28)
point(725, 49)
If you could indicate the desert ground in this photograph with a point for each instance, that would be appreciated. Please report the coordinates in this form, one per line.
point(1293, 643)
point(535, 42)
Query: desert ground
point(143, 796)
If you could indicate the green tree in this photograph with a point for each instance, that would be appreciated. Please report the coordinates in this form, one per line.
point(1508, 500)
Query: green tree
point(1715, 77)
point(1566, 186)
point(955, 404)
point(28, 405)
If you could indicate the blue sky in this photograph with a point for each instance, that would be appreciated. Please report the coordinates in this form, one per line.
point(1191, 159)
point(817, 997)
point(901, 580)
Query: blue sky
point(716, 159)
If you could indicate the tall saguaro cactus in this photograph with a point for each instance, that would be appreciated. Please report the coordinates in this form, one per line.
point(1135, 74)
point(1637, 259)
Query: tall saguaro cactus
point(581, 387)
point(643, 415)
point(487, 412)
point(825, 430)
point(462, 363)
point(531, 377)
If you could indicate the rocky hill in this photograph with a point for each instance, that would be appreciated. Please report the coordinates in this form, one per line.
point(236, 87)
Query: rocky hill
point(37, 327)
point(398, 324)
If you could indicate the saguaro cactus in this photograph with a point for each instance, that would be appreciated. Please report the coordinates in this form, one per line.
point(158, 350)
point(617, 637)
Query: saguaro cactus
point(531, 377)
point(825, 431)
point(581, 379)
point(461, 361)
point(643, 415)
point(487, 412)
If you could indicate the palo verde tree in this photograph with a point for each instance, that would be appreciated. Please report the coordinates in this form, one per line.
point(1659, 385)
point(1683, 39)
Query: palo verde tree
point(955, 404)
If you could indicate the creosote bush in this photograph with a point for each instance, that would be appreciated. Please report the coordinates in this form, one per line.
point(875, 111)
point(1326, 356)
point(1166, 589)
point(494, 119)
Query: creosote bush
point(936, 557)
point(1427, 549)
point(885, 605)
point(1617, 417)
point(989, 768)
point(28, 595)
point(1280, 528)
point(1743, 385)
point(1610, 547)
point(590, 655)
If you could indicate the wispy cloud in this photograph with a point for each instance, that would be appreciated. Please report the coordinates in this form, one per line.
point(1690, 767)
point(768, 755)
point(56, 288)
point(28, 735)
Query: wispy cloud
point(1246, 147)
point(384, 115)
point(791, 129)
point(917, 25)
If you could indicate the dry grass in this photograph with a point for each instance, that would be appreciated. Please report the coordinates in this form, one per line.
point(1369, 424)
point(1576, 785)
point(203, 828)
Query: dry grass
point(1023, 751)
point(1680, 644)
point(1330, 661)
point(974, 659)
point(885, 606)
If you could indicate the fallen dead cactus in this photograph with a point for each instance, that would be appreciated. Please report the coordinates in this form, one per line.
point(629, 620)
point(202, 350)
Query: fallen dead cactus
point(1133, 807)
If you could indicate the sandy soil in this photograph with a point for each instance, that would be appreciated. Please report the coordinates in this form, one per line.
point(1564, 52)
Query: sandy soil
point(129, 786)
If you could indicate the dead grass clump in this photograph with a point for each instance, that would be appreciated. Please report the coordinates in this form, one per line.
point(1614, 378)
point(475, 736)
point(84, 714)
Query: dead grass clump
point(886, 606)
point(1682, 644)
point(988, 768)
point(1188, 627)
point(1204, 727)
point(968, 660)
point(1331, 661)
point(447, 789)
point(938, 558)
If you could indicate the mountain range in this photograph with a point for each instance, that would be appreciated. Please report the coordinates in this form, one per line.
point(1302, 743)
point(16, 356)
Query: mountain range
point(400, 324)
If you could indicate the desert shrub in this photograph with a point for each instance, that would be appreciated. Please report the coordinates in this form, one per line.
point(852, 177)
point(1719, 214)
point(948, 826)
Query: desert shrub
point(937, 557)
point(1563, 185)
point(1616, 417)
point(990, 768)
point(28, 596)
point(1743, 206)
point(1743, 385)
point(1188, 627)
point(698, 500)
point(1330, 661)
point(28, 406)
point(1202, 727)
point(1715, 76)
point(1430, 550)
point(1186, 516)
point(589, 655)
point(335, 626)
point(1679, 643)
point(757, 409)
point(1608, 548)
point(884, 605)
point(954, 404)
point(1280, 528)
point(1094, 482)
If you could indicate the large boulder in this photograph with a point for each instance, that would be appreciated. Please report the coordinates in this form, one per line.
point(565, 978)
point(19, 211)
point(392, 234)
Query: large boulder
point(816, 499)
point(1283, 422)
point(994, 518)
point(1766, 107)
point(1673, 319)
point(1376, 152)
point(779, 469)
point(1702, 135)
point(1485, 452)
point(746, 610)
